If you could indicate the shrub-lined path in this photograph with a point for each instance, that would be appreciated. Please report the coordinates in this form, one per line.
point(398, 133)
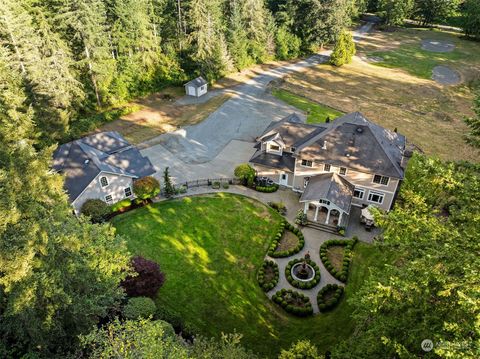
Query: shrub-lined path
point(313, 238)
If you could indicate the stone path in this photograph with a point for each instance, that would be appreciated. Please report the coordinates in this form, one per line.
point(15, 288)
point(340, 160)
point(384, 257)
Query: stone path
point(313, 238)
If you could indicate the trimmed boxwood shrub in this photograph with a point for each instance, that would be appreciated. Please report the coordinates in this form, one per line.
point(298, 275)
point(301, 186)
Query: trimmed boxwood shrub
point(326, 305)
point(285, 226)
point(96, 209)
point(216, 185)
point(289, 300)
point(268, 265)
point(341, 275)
point(139, 307)
point(267, 189)
point(298, 284)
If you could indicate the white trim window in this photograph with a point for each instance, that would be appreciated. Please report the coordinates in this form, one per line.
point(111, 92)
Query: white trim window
point(376, 197)
point(359, 193)
point(103, 181)
point(305, 181)
point(274, 148)
point(327, 167)
point(342, 171)
point(108, 198)
point(381, 180)
point(128, 192)
point(307, 163)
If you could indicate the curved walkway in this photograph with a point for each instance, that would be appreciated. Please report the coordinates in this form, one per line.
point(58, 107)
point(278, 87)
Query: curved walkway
point(313, 238)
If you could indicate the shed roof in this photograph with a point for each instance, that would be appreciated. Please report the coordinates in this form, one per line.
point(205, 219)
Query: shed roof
point(197, 82)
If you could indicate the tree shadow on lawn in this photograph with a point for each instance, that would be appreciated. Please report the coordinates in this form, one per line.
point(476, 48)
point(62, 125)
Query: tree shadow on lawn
point(210, 248)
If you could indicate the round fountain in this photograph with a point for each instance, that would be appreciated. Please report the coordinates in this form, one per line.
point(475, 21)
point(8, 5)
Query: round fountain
point(303, 272)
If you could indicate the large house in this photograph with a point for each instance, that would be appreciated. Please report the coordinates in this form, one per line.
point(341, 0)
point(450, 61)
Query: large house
point(348, 162)
point(100, 166)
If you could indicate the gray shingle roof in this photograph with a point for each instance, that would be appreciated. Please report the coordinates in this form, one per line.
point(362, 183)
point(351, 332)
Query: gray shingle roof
point(331, 187)
point(82, 160)
point(198, 82)
point(353, 141)
point(284, 163)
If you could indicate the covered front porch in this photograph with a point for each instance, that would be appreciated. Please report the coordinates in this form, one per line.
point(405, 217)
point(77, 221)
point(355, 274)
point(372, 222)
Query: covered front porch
point(327, 200)
point(325, 214)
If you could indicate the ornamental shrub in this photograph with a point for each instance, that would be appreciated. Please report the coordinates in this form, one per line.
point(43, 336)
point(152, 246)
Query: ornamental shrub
point(146, 187)
point(147, 279)
point(139, 307)
point(124, 203)
point(96, 209)
point(245, 172)
point(216, 185)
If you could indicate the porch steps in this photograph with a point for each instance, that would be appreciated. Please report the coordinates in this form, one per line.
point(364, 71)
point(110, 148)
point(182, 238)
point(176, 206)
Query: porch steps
point(322, 227)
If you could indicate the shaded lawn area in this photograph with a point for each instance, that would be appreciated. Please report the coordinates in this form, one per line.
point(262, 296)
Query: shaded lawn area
point(210, 248)
point(316, 112)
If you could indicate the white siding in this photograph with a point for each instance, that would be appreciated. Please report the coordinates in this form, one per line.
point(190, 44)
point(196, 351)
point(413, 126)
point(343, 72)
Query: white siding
point(115, 188)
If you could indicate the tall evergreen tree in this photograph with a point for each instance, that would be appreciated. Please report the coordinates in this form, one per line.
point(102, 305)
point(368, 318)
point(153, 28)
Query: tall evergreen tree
point(46, 65)
point(471, 18)
point(431, 11)
point(58, 275)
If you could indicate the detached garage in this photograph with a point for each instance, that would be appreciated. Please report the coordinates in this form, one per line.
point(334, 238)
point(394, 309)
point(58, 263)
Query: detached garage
point(197, 87)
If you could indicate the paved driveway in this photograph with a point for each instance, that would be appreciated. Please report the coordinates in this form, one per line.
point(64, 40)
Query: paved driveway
point(242, 118)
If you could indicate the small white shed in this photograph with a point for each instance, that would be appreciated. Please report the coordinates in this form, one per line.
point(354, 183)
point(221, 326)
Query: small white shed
point(197, 87)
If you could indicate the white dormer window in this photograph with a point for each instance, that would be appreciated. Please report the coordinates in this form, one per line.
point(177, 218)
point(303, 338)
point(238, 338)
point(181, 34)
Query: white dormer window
point(342, 171)
point(275, 148)
point(326, 167)
point(104, 181)
point(307, 163)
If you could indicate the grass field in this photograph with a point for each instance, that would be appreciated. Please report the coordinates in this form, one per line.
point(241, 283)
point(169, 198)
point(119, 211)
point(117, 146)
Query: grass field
point(316, 112)
point(402, 49)
point(428, 114)
point(210, 248)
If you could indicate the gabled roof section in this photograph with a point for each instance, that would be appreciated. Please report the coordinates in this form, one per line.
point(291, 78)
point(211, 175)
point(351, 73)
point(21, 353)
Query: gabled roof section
point(82, 160)
point(198, 82)
point(285, 162)
point(291, 130)
point(332, 187)
point(355, 142)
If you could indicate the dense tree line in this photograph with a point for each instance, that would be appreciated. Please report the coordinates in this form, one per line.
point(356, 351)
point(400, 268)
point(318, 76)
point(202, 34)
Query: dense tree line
point(78, 56)
point(429, 287)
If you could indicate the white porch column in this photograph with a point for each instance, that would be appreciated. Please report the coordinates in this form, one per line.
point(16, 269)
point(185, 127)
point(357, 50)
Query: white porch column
point(328, 217)
point(316, 213)
point(305, 209)
point(340, 218)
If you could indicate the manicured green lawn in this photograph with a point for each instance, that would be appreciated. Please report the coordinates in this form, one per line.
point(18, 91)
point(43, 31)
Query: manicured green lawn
point(316, 112)
point(210, 248)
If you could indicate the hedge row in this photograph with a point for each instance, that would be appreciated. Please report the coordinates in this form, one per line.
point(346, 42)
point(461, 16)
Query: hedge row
point(266, 286)
point(347, 257)
point(276, 239)
point(323, 305)
point(298, 284)
point(286, 297)
point(267, 189)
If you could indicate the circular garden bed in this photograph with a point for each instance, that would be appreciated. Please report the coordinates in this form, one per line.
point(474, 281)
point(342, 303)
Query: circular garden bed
point(287, 241)
point(329, 296)
point(268, 275)
point(336, 255)
point(293, 302)
point(299, 283)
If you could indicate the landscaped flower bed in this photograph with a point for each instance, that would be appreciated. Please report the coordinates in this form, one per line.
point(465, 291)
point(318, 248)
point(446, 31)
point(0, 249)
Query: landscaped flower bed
point(299, 283)
point(286, 230)
point(267, 189)
point(329, 296)
point(293, 302)
point(268, 275)
point(342, 272)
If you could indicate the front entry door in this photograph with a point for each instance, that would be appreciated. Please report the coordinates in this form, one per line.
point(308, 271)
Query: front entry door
point(283, 179)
